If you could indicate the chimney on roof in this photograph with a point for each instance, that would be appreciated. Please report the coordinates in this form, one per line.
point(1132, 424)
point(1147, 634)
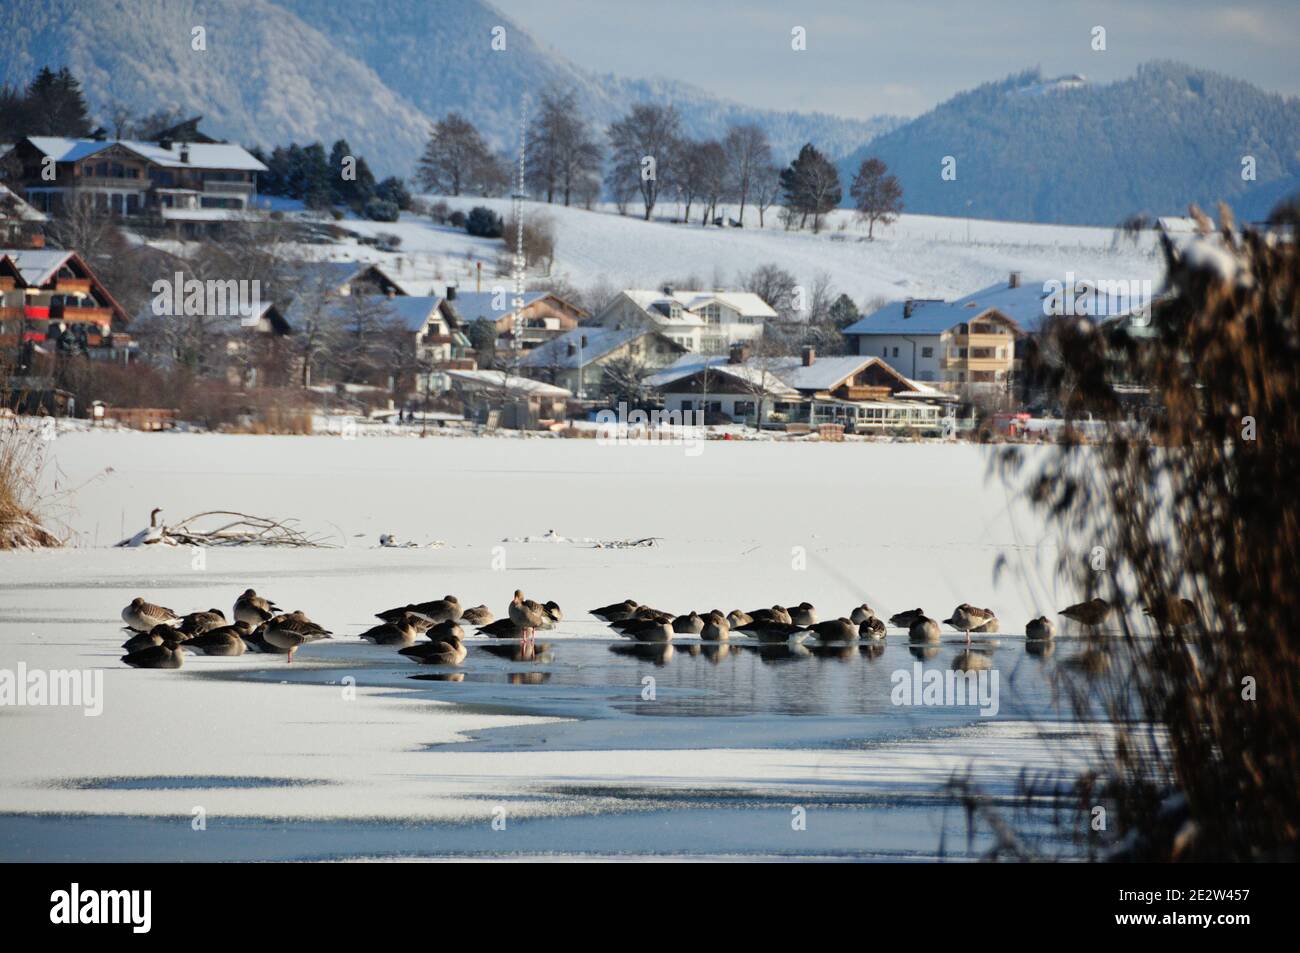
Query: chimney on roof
point(1014, 280)
point(584, 340)
point(165, 143)
point(667, 290)
point(37, 240)
point(100, 134)
point(908, 305)
point(572, 349)
point(809, 355)
point(185, 153)
point(451, 292)
point(739, 354)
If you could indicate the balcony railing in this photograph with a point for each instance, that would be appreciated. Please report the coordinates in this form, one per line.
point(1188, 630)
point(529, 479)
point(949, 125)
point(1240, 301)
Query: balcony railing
point(213, 185)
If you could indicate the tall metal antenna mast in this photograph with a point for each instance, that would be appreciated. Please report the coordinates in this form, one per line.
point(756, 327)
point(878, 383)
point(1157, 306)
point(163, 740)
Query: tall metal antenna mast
point(517, 206)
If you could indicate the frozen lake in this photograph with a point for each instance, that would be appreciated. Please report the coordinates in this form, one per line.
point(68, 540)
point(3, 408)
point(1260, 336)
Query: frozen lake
point(597, 748)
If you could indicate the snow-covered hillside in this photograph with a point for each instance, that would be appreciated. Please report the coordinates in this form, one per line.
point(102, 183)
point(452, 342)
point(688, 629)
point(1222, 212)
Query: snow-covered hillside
point(918, 256)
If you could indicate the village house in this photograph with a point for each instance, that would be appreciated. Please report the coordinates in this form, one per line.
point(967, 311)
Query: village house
point(340, 278)
point(862, 393)
point(503, 399)
point(543, 317)
point(706, 322)
point(582, 359)
point(170, 180)
point(975, 342)
point(52, 301)
point(21, 226)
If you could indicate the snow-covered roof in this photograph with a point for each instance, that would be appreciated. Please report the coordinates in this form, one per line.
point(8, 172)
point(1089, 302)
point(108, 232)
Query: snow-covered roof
point(927, 317)
point(824, 373)
point(599, 342)
point(202, 155)
point(21, 210)
point(412, 312)
point(36, 265)
point(511, 382)
point(472, 305)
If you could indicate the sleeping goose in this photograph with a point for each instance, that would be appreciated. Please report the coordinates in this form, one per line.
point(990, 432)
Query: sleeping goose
point(923, 629)
point(617, 611)
point(168, 654)
point(904, 620)
point(253, 609)
point(690, 624)
point(967, 618)
point(226, 640)
point(143, 616)
point(478, 615)
point(156, 636)
point(862, 613)
point(871, 628)
point(1039, 629)
point(836, 630)
point(803, 614)
point(196, 623)
point(715, 627)
point(400, 632)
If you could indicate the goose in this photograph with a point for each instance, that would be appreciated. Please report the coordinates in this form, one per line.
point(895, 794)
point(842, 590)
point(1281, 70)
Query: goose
point(449, 651)
point(716, 628)
point(478, 615)
point(1089, 614)
point(401, 632)
point(966, 617)
point(156, 636)
point(774, 614)
point(736, 618)
point(691, 624)
point(143, 616)
point(526, 614)
point(649, 630)
point(196, 623)
point(443, 631)
point(501, 629)
point(168, 654)
point(439, 610)
point(803, 614)
point(287, 632)
point(862, 613)
point(645, 615)
point(553, 613)
point(923, 629)
point(772, 631)
point(617, 611)
point(1173, 612)
point(1040, 629)
point(225, 640)
point(836, 630)
point(904, 620)
point(253, 609)
point(871, 628)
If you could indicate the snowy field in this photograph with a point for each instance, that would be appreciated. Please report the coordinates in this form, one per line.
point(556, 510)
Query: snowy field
point(918, 256)
point(353, 752)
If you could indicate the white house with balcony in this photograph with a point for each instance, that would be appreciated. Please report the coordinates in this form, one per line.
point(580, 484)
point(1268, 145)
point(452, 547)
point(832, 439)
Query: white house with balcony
point(706, 322)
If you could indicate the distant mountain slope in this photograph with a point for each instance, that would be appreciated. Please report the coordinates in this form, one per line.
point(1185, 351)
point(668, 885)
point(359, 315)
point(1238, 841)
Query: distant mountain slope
point(1036, 150)
point(266, 77)
point(373, 72)
point(438, 55)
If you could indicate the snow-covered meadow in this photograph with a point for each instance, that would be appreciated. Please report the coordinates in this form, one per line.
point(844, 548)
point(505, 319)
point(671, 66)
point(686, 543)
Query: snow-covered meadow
point(594, 749)
point(917, 256)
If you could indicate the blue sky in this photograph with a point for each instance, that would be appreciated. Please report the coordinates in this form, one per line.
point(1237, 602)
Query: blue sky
point(866, 57)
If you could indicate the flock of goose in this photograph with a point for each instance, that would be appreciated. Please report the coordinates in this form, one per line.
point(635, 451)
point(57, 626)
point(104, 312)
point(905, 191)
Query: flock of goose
point(161, 637)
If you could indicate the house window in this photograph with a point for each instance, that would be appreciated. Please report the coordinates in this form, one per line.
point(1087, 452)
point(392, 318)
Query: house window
point(746, 319)
point(895, 352)
point(927, 352)
point(743, 408)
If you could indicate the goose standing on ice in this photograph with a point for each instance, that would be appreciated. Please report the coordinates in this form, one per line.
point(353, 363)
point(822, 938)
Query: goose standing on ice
point(288, 632)
point(967, 617)
point(1172, 612)
point(143, 616)
point(526, 614)
point(1089, 614)
point(253, 609)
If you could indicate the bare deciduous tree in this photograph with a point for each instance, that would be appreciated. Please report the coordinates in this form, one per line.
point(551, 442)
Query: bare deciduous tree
point(644, 149)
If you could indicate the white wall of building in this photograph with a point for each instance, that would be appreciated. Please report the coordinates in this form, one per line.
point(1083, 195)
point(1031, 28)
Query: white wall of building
point(915, 356)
